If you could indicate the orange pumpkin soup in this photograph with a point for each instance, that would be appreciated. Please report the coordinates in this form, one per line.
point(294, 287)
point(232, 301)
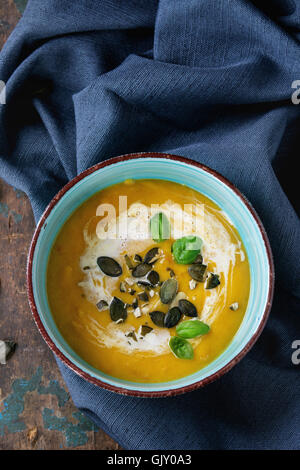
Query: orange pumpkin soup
point(148, 281)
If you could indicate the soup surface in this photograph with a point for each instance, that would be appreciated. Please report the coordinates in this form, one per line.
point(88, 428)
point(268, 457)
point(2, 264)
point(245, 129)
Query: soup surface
point(102, 293)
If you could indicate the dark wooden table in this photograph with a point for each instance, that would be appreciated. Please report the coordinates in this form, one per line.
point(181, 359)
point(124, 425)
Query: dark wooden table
point(36, 411)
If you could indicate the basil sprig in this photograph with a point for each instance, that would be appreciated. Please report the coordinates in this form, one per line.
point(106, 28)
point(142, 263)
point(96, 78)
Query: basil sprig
point(187, 330)
point(186, 249)
point(191, 329)
point(181, 348)
point(160, 227)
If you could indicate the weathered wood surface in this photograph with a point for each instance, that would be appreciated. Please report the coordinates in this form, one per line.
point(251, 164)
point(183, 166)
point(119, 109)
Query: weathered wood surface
point(36, 411)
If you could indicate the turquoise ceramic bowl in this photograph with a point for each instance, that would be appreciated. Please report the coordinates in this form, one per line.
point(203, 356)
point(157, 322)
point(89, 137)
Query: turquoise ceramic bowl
point(171, 168)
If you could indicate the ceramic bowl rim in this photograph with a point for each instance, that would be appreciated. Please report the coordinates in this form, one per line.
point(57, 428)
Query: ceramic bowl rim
point(124, 390)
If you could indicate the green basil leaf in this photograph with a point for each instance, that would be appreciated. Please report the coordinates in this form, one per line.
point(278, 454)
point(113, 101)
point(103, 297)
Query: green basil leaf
point(186, 249)
point(181, 348)
point(191, 328)
point(160, 227)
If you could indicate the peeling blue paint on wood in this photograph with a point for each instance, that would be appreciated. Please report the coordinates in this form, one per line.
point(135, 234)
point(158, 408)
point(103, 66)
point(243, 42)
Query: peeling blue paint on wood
point(75, 434)
point(21, 5)
point(17, 217)
point(19, 193)
point(13, 405)
point(55, 389)
point(4, 210)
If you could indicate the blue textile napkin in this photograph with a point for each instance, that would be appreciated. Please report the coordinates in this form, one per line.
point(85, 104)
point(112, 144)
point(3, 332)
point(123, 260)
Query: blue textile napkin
point(211, 80)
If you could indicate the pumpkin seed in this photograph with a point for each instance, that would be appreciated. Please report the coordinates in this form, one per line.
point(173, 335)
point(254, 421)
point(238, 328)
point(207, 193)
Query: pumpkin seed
point(191, 328)
point(187, 308)
point(138, 258)
point(213, 281)
point(181, 348)
point(117, 310)
point(109, 266)
point(145, 329)
point(180, 295)
point(234, 306)
point(101, 305)
point(129, 263)
point(172, 274)
point(141, 270)
point(197, 272)
point(168, 290)
point(172, 317)
point(137, 312)
point(151, 255)
point(145, 308)
point(123, 287)
point(199, 259)
point(130, 281)
point(153, 278)
point(143, 296)
point(145, 284)
point(132, 335)
point(158, 318)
